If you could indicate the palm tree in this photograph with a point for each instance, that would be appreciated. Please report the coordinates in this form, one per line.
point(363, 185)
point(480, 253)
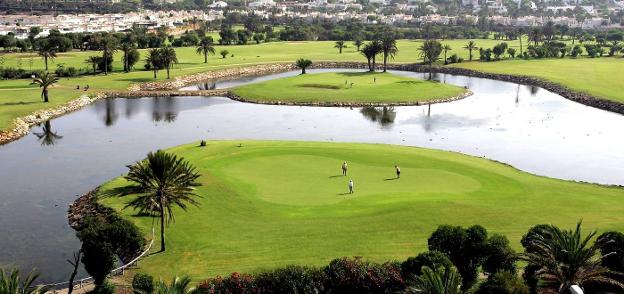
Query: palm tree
point(153, 60)
point(303, 63)
point(11, 284)
point(126, 48)
point(206, 47)
point(443, 280)
point(520, 34)
point(430, 52)
point(161, 181)
point(389, 49)
point(44, 81)
point(93, 61)
point(46, 51)
point(168, 58)
point(357, 43)
point(472, 45)
point(566, 258)
point(370, 51)
point(340, 45)
point(535, 35)
point(446, 49)
point(178, 286)
point(108, 45)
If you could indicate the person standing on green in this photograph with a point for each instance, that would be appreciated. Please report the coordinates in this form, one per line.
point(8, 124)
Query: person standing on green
point(344, 168)
point(351, 186)
point(398, 171)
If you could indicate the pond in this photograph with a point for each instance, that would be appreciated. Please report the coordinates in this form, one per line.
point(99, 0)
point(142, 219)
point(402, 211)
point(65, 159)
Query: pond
point(530, 128)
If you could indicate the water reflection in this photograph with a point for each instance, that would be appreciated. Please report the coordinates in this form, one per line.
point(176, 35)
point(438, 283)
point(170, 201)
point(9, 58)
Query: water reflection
point(47, 137)
point(207, 85)
point(162, 109)
point(383, 115)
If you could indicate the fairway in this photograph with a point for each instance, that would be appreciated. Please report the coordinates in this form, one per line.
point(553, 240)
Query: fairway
point(356, 87)
point(265, 204)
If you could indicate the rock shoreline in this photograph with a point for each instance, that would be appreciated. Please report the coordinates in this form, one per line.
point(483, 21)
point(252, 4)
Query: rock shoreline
point(170, 88)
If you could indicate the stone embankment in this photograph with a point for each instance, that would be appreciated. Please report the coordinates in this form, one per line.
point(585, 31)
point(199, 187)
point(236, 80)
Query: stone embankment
point(170, 88)
point(86, 206)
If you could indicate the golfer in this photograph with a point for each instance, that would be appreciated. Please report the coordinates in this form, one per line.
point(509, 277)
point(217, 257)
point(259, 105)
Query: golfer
point(351, 186)
point(398, 171)
point(344, 168)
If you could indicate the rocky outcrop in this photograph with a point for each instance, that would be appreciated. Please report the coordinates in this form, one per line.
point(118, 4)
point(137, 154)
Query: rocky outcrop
point(87, 206)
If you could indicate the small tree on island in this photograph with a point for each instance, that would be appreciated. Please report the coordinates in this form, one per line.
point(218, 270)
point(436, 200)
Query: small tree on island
point(44, 81)
point(161, 181)
point(224, 53)
point(303, 63)
point(446, 49)
point(430, 52)
point(153, 61)
point(340, 45)
point(388, 48)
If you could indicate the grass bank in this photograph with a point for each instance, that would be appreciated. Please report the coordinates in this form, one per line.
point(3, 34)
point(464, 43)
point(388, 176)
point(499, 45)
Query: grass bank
point(350, 87)
point(595, 76)
point(267, 204)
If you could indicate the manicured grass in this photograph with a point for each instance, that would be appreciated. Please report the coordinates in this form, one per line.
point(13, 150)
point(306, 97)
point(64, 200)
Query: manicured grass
point(356, 87)
point(18, 98)
point(600, 77)
point(267, 204)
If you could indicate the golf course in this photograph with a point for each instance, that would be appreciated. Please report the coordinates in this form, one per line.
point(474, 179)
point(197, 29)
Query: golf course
point(596, 76)
point(352, 87)
point(264, 204)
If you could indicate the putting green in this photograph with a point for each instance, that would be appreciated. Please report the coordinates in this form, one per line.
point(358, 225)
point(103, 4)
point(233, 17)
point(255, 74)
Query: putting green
point(351, 87)
point(266, 204)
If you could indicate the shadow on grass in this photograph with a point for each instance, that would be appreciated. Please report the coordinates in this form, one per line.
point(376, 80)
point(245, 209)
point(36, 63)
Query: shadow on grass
point(357, 74)
point(19, 103)
point(336, 176)
point(391, 179)
point(138, 80)
point(344, 194)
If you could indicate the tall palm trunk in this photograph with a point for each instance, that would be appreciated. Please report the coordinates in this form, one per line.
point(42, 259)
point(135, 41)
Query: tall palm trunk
point(205, 57)
point(370, 68)
point(155, 70)
point(374, 66)
point(430, 69)
point(385, 61)
point(45, 59)
point(303, 70)
point(45, 94)
point(105, 62)
point(520, 44)
point(162, 222)
point(470, 53)
point(168, 71)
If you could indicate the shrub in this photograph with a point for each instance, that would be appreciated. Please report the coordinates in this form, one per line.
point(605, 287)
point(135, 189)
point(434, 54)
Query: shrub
point(234, 284)
point(202, 143)
point(503, 282)
point(464, 247)
point(576, 51)
point(143, 284)
point(499, 256)
point(291, 279)
point(345, 275)
point(454, 59)
point(105, 288)
point(432, 259)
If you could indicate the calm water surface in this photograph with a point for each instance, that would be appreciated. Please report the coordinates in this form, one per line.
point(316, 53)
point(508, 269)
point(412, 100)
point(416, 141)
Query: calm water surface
point(529, 128)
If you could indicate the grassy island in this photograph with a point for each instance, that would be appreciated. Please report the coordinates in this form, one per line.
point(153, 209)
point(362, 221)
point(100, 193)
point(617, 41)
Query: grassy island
point(348, 87)
point(266, 204)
